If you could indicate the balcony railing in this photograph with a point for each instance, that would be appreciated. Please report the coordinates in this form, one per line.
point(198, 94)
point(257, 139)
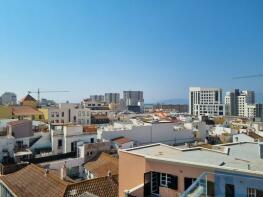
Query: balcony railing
point(225, 184)
point(198, 188)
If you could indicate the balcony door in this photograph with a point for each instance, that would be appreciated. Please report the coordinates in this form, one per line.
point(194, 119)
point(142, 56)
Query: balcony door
point(155, 184)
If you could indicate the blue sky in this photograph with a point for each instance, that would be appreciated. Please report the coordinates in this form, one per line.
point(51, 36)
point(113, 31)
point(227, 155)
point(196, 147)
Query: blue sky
point(160, 47)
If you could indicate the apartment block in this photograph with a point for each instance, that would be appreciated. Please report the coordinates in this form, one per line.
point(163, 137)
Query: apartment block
point(133, 100)
point(66, 138)
point(99, 98)
point(159, 170)
point(112, 98)
point(67, 113)
point(205, 101)
point(240, 103)
point(259, 112)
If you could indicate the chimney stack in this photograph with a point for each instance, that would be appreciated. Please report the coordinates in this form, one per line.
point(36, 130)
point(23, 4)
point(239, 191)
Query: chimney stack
point(109, 173)
point(46, 172)
point(63, 172)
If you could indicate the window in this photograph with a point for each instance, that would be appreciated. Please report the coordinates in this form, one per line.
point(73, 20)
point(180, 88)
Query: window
point(210, 188)
point(188, 182)
point(59, 143)
point(252, 192)
point(89, 153)
point(168, 181)
point(62, 114)
point(229, 190)
point(91, 140)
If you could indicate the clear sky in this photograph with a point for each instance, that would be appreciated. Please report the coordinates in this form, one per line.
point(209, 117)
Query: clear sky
point(159, 46)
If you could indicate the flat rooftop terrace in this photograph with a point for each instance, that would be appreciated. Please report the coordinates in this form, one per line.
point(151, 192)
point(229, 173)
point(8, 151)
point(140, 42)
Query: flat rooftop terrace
point(234, 156)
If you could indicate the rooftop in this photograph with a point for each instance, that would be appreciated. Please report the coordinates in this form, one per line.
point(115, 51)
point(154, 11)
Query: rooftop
point(32, 181)
point(240, 155)
point(25, 111)
point(28, 98)
point(102, 165)
point(121, 140)
point(19, 122)
point(104, 186)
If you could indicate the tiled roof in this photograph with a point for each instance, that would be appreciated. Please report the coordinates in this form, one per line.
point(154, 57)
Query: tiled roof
point(121, 140)
point(25, 111)
point(90, 128)
point(102, 165)
point(28, 98)
point(255, 136)
point(102, 187)
point(19, 122)
point(32, 181)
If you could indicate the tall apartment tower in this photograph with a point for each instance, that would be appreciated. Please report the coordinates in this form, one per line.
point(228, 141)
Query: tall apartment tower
point(97, 98)
point(259, 112)
point(206, 101)
point(133, 100)
point(112, 98)
point(240, 103)
point(231, 103)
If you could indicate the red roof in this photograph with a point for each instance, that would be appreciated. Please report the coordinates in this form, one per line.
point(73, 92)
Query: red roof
point(121, 140)
point(25, 111)
point(28, 98)
point(19, 122)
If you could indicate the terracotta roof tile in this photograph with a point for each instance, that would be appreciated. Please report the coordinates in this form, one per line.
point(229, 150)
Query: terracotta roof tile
point(28, 98)
point(102, 187)
point(90, 128)
point(102, 165)
point(32, 181)
point(121, 140)
point(19, 122)
point(25, 111)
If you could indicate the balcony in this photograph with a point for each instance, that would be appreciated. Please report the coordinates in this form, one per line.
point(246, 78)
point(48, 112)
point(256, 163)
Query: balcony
point(198, 188)
point(228, 184)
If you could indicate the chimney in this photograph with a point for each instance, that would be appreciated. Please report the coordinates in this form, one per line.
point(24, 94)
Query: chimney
point(46, 172)
point(63, 172)
point(260, 150)
point(109, 173)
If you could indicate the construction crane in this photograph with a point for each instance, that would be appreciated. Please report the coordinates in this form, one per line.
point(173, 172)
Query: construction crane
point(249, 76)
point(38, 92)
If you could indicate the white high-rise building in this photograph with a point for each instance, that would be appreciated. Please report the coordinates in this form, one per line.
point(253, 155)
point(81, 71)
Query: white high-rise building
point(240, 103)
point(206, 101)
point(250, 111)
point(99, 98)
point(112, 98)
point(9, 98)
point(245, 100)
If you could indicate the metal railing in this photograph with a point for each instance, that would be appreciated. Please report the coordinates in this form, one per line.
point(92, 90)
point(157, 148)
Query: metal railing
point(198, 188)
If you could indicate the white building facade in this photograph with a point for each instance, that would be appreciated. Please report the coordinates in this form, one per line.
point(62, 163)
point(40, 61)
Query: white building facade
point(67, 138)
point(206, 101)
point(69, 113)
